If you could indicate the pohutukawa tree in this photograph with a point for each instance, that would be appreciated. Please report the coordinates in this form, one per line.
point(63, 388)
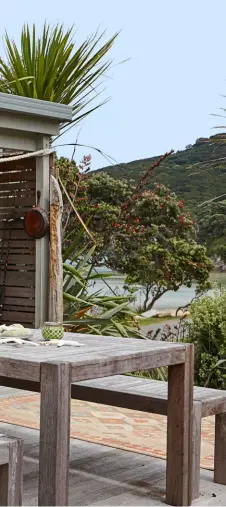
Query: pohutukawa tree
point(147, 236)
point(154, 245)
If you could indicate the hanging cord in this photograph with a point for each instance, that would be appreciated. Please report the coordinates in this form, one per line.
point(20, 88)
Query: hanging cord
point(39, 153)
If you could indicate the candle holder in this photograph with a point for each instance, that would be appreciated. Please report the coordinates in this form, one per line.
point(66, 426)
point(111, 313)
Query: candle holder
point(52, 331)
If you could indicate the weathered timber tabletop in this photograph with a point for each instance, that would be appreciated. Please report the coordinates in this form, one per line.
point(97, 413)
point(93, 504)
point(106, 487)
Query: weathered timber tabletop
point(53, 370)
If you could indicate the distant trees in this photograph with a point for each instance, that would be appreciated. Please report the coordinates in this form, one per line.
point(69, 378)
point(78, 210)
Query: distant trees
point(212, 228)
point(196, 174)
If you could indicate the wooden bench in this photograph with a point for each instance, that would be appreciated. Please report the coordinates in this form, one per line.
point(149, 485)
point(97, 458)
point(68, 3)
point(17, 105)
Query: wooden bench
point(11, 471)
point(151, 396)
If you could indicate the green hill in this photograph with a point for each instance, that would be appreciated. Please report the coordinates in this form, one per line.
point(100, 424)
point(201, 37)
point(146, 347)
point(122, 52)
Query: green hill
point(193, 183)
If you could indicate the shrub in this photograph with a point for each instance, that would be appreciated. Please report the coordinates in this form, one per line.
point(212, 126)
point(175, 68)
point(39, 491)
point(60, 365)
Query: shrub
point(207, 331)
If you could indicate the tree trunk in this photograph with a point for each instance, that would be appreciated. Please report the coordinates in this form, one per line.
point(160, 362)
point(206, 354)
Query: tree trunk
point(145, 305)
point(154, 299)
point(56, 265)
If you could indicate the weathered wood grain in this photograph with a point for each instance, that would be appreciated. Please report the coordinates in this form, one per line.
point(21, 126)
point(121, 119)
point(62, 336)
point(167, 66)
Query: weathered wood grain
point(19, 302)
point(17, 176)
point(7, 213)
point(17, 245)
point(98, 355)
point(120, 398)
point(27, 292)
point(103, 476)
point(18, 259)
point(124, 361)
point(56, 306)
point(22, 186)
point(54, 434)
point(220, 449)
point(12, 201)
point(196, 448)
point(24, 309)
point(19, 278)
point(15, 316)
point(18, 165)
point(17, 194)
point(17, 226)
point(19, 368)
point(179, 431)
point(20, 268)
point(11, 473)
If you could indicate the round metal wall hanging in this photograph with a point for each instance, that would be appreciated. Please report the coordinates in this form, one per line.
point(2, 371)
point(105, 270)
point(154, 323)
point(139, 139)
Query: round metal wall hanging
point(36, 221)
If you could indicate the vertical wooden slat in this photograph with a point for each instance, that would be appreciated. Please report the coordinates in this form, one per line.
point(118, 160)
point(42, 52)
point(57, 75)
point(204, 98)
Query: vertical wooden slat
point(54, 433)
point(220, 449)
point(179, 431)
point(17, 195)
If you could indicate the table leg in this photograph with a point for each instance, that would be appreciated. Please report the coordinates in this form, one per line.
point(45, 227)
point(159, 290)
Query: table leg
point(179, 431)
point(54, 433)
point(220, 449)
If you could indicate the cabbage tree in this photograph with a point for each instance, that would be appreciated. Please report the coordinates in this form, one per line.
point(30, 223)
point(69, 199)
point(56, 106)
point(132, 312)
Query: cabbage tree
point(53, 67)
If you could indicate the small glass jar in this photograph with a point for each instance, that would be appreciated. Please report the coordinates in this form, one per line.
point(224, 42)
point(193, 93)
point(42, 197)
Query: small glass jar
point(52, 331)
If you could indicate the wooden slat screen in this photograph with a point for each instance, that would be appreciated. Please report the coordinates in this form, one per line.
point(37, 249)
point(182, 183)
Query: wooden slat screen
point(17, 194)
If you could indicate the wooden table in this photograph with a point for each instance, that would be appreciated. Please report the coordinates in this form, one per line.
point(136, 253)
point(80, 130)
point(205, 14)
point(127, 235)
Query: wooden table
point(51, 371)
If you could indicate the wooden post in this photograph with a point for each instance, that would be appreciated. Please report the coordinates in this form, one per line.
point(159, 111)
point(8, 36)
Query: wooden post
point(220, 449)
point(42, 245)
point(179, 431)
point(11, 473)
point(54, 433)
point(56, 266)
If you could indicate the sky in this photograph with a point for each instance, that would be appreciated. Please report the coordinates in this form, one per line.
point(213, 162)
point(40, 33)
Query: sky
point(165, 95)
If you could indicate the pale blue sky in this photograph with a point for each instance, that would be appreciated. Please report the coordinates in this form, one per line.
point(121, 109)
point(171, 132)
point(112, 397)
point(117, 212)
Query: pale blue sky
point(164, 96)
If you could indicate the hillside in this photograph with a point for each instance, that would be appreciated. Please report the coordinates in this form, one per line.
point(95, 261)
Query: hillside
point(193, 184)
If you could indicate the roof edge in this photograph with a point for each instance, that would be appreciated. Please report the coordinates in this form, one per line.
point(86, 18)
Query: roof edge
point(35, 107)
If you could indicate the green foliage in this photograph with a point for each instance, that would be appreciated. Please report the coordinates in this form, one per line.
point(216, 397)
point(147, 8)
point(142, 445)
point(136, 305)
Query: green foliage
point(148, 236)
point(212, 228)
point(154, 244)
point(98, 199)
point(51, 67)
point(93, 313)
point(155, 374)
point(207, 331)
point(193, 183)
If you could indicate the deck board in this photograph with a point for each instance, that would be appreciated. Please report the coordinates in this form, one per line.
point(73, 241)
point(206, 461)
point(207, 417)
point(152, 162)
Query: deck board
point(105, 476)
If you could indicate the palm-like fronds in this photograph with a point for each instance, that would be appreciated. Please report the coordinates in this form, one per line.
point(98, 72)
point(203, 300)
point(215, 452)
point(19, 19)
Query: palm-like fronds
point(94, 313)
point(50, 67)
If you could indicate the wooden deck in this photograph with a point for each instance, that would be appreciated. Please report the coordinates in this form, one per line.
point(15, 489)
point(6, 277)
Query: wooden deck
point(105, 476)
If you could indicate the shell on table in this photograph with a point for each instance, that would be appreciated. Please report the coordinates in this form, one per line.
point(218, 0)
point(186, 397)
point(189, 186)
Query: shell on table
point(14, 331)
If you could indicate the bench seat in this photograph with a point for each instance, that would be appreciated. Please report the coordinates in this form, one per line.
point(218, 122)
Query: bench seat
point(145, 394)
